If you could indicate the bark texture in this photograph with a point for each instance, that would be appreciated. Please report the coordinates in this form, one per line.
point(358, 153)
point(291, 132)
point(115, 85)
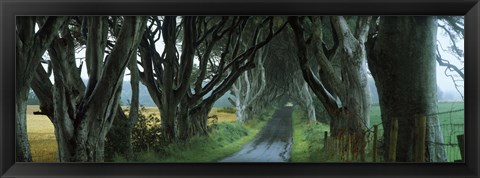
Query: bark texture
point(183, 99)
point(30, 46)
point(82, 121)
point(402, 61)
point(342, 89)
point(249, 87)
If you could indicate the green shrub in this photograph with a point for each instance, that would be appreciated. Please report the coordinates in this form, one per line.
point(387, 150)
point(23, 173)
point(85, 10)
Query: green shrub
point(146, 133)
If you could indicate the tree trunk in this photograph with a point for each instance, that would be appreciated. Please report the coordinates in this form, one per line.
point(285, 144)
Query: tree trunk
point(346, 96)
point(119, 138)
point(134, 105)
point(307, 98)
point(176, 80)
point(402, 62)
point(82, 122)
point(30, 47)
point(22, 145)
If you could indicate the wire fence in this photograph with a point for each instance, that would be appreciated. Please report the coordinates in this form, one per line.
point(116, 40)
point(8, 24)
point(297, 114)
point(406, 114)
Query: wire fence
point(348, 147)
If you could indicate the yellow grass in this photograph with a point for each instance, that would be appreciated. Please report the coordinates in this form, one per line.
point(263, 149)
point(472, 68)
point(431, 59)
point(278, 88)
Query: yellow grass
point(41, 135)
point(222, 116)
point(43, 144)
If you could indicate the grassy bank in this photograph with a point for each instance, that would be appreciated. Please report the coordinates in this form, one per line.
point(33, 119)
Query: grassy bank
point(307, 138)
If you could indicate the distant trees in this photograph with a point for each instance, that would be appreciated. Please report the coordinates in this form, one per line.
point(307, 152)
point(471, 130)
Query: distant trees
point(249, 87)
point(284, 76)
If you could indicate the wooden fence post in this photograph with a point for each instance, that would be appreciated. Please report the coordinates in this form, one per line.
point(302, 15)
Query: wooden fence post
point(392, 146)
point(363, 149)
point(461, 145)
point(420, 132)
point(374, 152)
point(363, 153)
point(349, 148)
point(325, 137)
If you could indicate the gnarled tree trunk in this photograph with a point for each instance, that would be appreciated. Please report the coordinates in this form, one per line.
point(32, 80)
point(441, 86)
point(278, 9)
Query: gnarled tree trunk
point(402, 61)
point(30, 46)
point(249, 87)
point(345, 96)
point(82, 122)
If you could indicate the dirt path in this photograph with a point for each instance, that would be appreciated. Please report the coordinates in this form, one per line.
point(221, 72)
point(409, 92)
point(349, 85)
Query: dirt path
point(272, 144)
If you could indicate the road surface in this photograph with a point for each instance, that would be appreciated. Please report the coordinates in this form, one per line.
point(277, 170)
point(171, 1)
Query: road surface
point(272, 144)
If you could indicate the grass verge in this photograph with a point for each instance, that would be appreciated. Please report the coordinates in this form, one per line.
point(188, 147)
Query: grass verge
point(307, 138)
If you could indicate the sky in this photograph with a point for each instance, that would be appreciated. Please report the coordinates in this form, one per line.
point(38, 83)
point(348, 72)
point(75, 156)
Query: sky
point(445, 83)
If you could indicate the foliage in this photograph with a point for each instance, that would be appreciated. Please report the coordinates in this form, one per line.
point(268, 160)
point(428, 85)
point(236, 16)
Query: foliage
point(145, 134)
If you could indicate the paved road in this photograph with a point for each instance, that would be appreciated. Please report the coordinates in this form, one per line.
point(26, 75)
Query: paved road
point(272, 144)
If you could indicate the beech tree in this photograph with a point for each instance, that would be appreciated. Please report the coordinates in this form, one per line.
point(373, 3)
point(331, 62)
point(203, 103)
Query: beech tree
point(284, 75)
point(249, 87)
point(30, 46)
point(343, 90)
point(184, 112)
point(405, 76)
point(80, 129)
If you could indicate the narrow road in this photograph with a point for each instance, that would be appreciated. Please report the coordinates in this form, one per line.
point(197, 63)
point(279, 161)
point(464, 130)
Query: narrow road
point(272, 144)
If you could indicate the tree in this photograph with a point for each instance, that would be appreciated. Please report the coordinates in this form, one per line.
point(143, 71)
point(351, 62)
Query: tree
point(284, 76)
point(83, 116)
point(249, 87)
point(343, 90)
point(185, 108)
point(405, 77)
point(30, 46)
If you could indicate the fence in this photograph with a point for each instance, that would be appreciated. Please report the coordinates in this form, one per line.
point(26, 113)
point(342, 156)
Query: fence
point(347, 147)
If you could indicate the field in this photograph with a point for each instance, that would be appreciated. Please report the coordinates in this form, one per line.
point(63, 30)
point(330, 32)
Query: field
point(42, 138)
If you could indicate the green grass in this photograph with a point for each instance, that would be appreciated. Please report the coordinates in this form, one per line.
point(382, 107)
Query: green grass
point(307, 138)
point(225, 139)
point(454, 118)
